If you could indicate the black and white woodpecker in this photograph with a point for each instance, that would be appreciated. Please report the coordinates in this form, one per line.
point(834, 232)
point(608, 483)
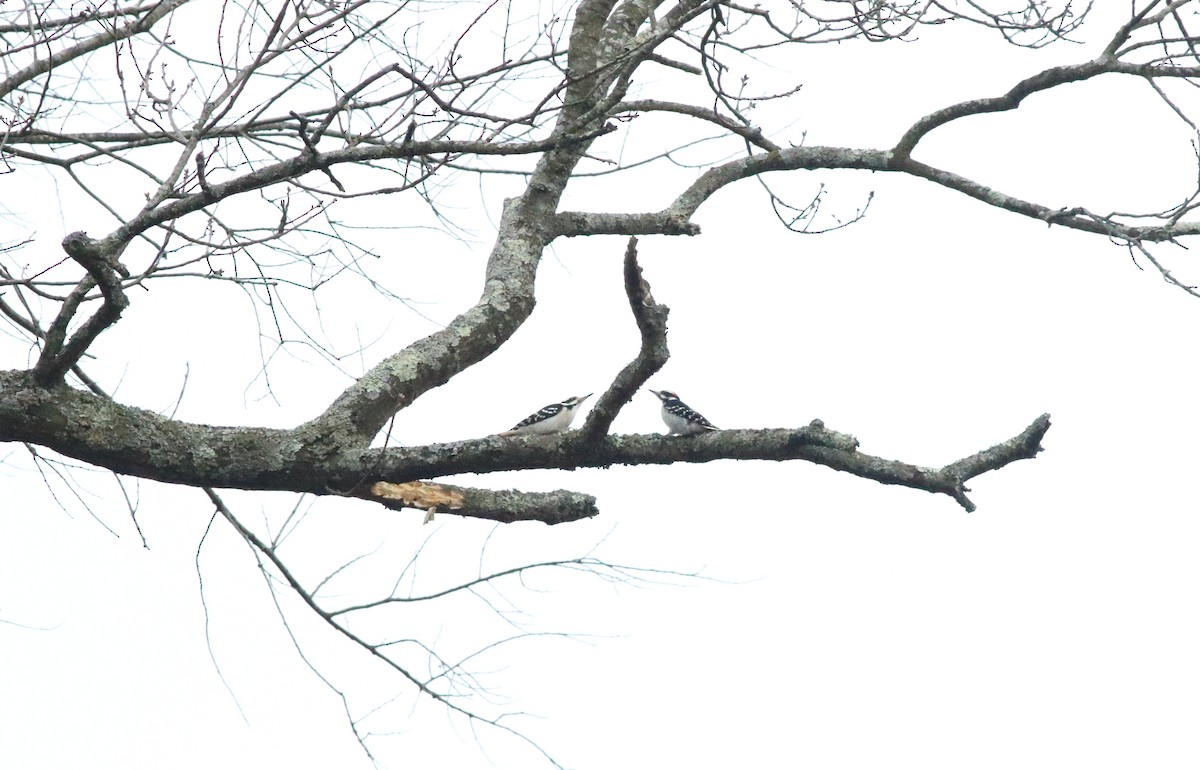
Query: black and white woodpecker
point(553, 418)
point(681, 418)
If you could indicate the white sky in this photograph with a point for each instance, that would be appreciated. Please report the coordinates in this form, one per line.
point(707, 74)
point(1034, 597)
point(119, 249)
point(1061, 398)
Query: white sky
point(847, 625)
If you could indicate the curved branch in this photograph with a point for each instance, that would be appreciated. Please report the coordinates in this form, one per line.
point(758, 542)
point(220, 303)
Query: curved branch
point(651, 319)
point(354, 418)
point(751, 134)
point(1042, 81)
point(103, 268)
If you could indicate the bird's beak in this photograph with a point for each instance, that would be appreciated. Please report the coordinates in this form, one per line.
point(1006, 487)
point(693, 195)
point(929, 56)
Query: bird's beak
point(585, 398)
point(655, 392)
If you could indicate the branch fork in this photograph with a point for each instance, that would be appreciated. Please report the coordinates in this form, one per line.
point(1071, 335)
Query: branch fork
point(103, 271)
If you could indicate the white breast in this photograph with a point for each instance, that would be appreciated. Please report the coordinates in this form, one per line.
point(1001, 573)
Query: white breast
point(555, 424)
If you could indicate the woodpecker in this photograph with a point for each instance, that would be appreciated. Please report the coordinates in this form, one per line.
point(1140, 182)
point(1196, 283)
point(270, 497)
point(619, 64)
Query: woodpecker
point(549, 419)
point(681, 418)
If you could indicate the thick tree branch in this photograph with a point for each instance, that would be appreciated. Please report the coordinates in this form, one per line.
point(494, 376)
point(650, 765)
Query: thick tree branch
point(526, 229)
point(361, 411)
point(813, 443)
point(354, 418)
point(651, 319)
point(142, 443)
point(1023, 446)
point(572, 224)
point(210, 100)
point(502, 505)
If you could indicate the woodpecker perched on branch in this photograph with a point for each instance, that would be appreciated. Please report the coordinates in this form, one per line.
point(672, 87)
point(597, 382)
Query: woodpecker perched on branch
point(554, 418)
point(681, 418)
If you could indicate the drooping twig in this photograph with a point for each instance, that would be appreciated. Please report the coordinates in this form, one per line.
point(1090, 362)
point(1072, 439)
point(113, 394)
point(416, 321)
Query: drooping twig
point(377, 651)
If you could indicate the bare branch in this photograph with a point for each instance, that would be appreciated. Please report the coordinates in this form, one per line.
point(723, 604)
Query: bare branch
point(103, 268)
point(154, 13)
point(1023, 446)
point(651, 319)
point(504, 506)
point(751, 134)
point(136, 442)
point(243, 160)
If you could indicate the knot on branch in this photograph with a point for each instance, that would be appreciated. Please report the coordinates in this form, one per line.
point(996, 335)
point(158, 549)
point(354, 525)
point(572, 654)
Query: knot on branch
point(816, 434)
point(79, 246)
point(1060, 215)
point(679, 225)
point(506, 506)
point(92, 254)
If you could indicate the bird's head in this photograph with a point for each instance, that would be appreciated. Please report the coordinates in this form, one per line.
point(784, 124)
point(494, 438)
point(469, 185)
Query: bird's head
point(665, 395)
point(575, 401)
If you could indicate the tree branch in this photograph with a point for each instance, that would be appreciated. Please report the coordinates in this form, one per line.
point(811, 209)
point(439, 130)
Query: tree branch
point(103, 268)
point(526, 229)
point(676, 219)
point(1042, 81)
point(305, 162)
point(751, 134)
point(1023, 446)
point(502, 505)
point(155, 12)
point(651, 319)
point(142, 443)
point(1074, 218)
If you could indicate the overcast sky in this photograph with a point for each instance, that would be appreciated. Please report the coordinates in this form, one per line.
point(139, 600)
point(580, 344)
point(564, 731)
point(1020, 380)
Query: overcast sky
point(836, 623)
